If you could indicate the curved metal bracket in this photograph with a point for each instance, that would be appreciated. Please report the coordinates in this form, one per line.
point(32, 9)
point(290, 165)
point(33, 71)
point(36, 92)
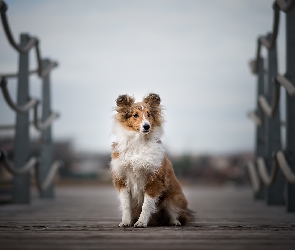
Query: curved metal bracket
point(263, 103)
point(262, 40)
point(254, 177)
point(46, 71)
point(279, 161)
point(286, 84)
point(266, 178)
point(41, 126)
point(22, 109)
point(33, 42)
point(283, 164)
point(285, 6)
point(271, 110)
point(33, 163)
point(50, 176)
point(255, 118)
point(33, 103)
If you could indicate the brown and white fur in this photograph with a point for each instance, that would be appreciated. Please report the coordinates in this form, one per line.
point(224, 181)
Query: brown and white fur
point(149, 192)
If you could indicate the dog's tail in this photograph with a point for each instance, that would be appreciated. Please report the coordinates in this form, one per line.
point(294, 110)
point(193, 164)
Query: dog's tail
point(187, 216)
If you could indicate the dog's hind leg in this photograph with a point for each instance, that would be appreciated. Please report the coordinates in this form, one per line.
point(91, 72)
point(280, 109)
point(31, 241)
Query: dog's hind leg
point(173, 213)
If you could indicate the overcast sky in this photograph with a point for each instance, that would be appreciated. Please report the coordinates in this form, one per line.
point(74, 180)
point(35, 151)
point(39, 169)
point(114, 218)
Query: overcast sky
point(194, 54)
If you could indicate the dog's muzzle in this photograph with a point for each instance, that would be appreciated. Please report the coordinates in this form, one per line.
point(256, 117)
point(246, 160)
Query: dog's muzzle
point(146, 128)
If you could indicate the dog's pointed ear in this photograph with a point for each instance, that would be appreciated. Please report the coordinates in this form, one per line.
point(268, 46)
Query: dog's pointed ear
point(152, 100)
point(124, 101)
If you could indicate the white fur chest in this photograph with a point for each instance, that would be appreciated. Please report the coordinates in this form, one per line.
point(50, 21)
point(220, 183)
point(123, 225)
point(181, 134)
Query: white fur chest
point(135, 163)
point(136, 151)
point(141, 154)
point(135, 182)
point(138, 157)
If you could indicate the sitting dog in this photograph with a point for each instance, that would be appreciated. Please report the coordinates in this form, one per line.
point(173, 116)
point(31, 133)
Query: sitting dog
point(149, 192)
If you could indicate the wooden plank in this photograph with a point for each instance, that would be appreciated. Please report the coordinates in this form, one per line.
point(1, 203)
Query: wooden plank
point(88, 218)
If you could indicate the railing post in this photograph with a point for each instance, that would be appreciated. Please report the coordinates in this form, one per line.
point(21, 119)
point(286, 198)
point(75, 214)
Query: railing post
point(274, 193)
point(290, 105)
point(21, 184)
point(46, 138)
point(260, 134)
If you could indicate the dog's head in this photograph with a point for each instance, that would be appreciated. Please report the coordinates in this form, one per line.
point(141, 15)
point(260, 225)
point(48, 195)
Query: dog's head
point(142, 117)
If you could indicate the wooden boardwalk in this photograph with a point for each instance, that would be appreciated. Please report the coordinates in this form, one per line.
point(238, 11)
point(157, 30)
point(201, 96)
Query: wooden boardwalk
point(88, 218)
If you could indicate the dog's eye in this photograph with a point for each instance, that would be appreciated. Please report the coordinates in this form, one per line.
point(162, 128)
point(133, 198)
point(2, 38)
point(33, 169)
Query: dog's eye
point(135, 115)
point(148, 114)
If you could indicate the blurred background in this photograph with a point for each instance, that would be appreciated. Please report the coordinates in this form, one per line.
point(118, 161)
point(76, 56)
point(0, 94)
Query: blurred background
point(194, 54)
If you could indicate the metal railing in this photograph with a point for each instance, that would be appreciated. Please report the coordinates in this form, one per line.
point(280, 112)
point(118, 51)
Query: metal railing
point(43, 166)
point(272, 172)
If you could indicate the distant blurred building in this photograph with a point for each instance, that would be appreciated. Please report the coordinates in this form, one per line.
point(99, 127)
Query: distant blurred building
point(89, 165)
point(213, 169)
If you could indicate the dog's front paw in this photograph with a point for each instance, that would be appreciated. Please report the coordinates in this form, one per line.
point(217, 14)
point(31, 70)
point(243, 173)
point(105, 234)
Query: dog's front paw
point(140, 224)
point(125, 224)
point(175, 223)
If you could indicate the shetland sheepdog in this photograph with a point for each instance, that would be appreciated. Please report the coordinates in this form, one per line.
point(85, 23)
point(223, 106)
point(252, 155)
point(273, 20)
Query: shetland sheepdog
point(149, 191)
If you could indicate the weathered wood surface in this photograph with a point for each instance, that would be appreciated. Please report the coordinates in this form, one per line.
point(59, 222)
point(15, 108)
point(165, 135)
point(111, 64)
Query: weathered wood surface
point(88, 218)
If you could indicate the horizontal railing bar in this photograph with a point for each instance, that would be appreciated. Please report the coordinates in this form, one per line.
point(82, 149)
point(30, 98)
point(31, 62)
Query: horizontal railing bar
point(13, 126)
point(45, 72)
point(7, 127)
point(286, 84)
point(285, 6)
point(43, 126)
point(12, 75)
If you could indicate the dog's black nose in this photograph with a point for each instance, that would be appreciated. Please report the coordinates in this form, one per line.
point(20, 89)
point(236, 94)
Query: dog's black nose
point(146, 127)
